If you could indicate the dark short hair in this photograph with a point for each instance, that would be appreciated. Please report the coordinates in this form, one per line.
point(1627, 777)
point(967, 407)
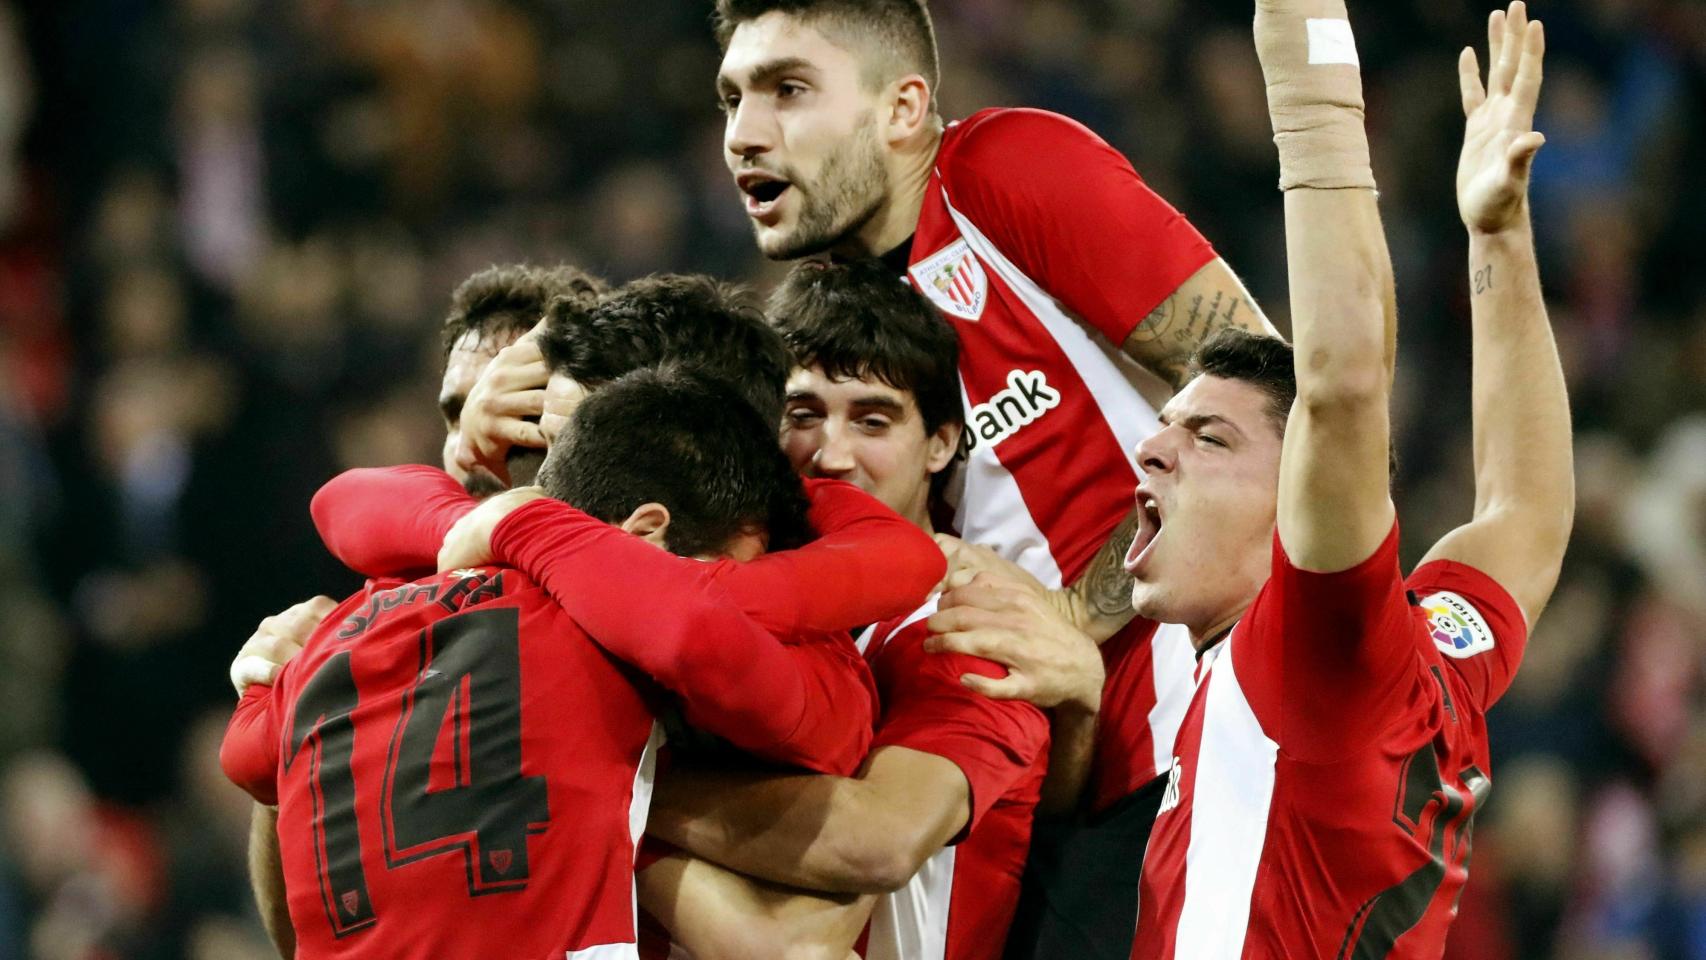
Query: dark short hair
point(1268, 364)
point(1262, 361)
point(858, 320)
point(507, 300)
point(896, 35)
point(670, 318)
point(682, 437)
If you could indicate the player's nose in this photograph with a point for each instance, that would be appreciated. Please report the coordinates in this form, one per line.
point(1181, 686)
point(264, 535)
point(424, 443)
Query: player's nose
point(1155, 454)
point(835, 457)
point(749, 132)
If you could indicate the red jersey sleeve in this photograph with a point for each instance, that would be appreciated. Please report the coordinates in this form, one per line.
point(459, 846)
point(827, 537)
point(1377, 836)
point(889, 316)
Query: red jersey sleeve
point(1072, 214)
point(249, 752)
point(806, 703)
point(1474, 623)
point(868, 564)
point(927, 708)
point(1321, 656)
point(389, 521)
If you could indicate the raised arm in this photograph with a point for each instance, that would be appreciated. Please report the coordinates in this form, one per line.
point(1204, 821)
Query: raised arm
point(1335, 506)
point(1524, 482)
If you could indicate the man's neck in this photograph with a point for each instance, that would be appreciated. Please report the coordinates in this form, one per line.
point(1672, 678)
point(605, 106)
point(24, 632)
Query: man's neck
point(897, 219)
point(1203, 638)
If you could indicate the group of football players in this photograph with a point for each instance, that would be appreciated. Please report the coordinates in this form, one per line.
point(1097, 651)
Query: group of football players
point(928, 679)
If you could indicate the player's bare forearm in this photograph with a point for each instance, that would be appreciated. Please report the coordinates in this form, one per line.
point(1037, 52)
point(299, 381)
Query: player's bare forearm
point(716, 913)
point(1334, 501)
point(1212, 300)
point(1099, 601)
point(266, 876)
point(816, 832)
point(1524, 476)
point(1072, 744)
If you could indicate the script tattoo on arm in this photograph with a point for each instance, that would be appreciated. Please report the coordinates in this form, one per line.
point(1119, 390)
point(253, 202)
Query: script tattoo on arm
point(1167, 338)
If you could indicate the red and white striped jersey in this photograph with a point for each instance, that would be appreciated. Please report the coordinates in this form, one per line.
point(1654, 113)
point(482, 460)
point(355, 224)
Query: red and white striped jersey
point(960, 903)
point(1330, 768)
point(1045, 250)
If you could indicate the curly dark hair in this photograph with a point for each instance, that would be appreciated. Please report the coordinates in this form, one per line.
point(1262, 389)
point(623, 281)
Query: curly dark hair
point(507, 300)
point(685, 438)
point(670, 318)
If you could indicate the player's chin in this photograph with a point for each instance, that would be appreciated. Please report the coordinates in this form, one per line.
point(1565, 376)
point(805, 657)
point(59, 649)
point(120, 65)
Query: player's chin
point(1150, 600)
point(779, 241)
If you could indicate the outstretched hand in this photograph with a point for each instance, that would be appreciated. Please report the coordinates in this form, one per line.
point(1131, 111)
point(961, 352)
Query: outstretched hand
point(1499, 139)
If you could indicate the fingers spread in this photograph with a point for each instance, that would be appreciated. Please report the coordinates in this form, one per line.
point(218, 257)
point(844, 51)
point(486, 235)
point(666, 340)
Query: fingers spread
point(1495, 48)
point(1525, 87)
point(1522, 151)
point(1469, 81)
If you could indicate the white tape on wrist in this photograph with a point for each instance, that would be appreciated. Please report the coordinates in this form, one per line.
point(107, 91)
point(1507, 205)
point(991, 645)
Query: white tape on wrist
point(1331, 42)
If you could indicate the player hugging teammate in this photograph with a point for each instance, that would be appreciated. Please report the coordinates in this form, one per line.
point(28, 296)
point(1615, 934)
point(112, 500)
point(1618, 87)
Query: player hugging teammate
point(1209, 720)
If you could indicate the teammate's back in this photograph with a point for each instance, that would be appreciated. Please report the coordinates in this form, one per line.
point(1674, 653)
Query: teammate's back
point(459, 772)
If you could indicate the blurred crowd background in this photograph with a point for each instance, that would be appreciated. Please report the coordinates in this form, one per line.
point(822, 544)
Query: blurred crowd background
point(229, 228)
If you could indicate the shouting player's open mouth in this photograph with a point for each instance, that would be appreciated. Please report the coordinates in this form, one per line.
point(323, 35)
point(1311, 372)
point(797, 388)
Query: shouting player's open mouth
point(764, 192)
point(1148, 528)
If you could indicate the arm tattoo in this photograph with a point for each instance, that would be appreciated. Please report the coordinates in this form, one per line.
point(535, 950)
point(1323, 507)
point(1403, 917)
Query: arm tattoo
point(1484, 279)
point(1167, 338)
point(1105, 586)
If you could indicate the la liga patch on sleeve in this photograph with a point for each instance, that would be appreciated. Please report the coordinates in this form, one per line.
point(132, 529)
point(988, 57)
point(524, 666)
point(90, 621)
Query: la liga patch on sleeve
point(1458, 629)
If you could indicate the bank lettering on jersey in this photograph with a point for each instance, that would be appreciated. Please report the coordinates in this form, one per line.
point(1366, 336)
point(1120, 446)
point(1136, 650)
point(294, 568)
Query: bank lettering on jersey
point(1022, 402)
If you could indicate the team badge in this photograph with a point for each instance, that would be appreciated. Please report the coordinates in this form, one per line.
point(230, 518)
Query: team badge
point(953, 280)
point(1457, 628)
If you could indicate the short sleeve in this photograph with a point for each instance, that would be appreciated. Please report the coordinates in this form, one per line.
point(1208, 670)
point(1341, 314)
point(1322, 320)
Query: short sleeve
point(927, 708)
point(1072, 214)
point(1474, 623)
point(1321, 657)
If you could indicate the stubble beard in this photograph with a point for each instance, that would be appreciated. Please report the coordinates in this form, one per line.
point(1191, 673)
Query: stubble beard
point(847, 192)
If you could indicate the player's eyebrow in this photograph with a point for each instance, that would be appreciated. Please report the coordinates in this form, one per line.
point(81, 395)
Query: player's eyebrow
point(880, 404)
point(766, 73)
point(802, 396)
point(1197, 421)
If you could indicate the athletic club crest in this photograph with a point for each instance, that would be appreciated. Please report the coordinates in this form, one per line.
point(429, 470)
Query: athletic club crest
point(953, 280)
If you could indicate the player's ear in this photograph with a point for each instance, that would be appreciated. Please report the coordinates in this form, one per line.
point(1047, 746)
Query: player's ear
point(649, 521)
point(942, 445)
point(908, 108)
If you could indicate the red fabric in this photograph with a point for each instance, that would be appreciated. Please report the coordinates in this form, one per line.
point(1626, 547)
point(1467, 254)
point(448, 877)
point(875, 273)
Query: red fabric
point(1361, 816)
point(817, 701)
point(1071, 213)
point(1002, 748)
point(1000, 745)
point(1070, 248)
point(389, 521)
point(549, 837)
